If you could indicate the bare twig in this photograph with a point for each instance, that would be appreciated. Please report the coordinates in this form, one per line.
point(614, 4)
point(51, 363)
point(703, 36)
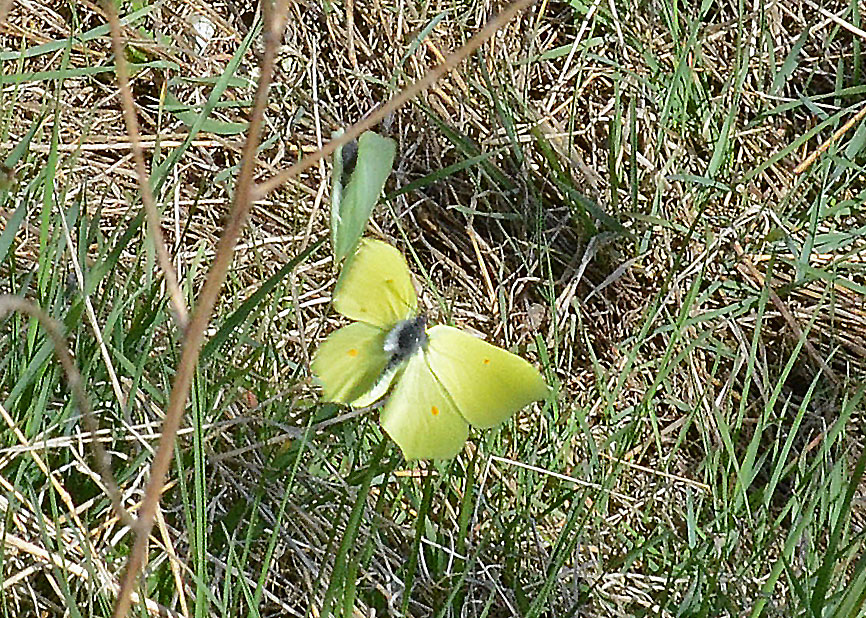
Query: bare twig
point(73, 378)
point(129, 117)
point(91, 316)
point(122, 400)
point(838, 20)
point(350, 33)
point(242, 203)
point(5, 5)
point(574, 479)
point(673, 477)
point(174, 562)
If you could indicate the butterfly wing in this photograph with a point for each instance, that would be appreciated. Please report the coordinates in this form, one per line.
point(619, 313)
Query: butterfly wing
point(420, 417)
point(376, 286)
point(379, 389)
point(350, 362)
point(373, 163)
point(486, 383)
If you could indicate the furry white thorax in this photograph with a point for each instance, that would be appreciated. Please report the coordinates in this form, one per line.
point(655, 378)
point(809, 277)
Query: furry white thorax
point(406, 338)
point(401, 342)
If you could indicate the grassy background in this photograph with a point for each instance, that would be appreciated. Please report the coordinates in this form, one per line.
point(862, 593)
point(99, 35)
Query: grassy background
point(608, 190)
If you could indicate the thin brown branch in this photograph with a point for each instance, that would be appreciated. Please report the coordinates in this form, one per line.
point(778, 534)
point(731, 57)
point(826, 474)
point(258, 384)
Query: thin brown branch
point(395, 102)
point(129, 117)
point(5, 5)
point(241, 206)
point(76, 385)
point(350, 33)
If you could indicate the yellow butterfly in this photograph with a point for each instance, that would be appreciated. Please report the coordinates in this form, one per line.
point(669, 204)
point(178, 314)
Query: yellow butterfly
point(443, 378)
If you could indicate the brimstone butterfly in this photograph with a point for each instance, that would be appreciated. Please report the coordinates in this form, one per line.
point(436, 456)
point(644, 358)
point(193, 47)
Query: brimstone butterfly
point(443, 378)
point(360, 172)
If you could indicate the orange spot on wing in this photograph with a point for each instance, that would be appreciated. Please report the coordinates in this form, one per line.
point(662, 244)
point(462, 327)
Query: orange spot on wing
point(353, 352)
point(434, 410)
point(486, 361)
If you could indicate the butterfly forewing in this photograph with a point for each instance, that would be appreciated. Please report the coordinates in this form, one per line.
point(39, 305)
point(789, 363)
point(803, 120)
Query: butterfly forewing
point(486, 383)
point(375, 286)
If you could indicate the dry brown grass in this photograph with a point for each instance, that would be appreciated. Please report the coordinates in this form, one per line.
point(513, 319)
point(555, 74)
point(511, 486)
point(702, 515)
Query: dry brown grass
point(513, 261)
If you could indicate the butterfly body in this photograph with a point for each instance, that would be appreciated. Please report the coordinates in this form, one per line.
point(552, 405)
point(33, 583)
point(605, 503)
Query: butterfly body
point(406, 338)
point(443, 378)
point(350, 158)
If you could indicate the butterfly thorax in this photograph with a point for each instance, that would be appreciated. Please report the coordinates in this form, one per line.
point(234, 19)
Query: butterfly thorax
point(406, 338)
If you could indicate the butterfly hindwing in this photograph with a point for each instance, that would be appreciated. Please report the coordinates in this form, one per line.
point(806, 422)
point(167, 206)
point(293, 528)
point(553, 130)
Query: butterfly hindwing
point(376, 286)
point(487, 383)
point(420, 417)
point(350, 362)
